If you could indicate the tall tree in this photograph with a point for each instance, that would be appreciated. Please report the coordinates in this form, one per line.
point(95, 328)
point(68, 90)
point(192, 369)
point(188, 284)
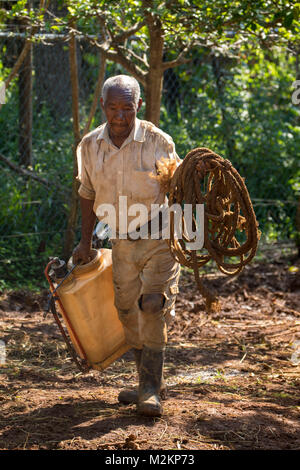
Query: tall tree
point(148, 37)
point(139, 34)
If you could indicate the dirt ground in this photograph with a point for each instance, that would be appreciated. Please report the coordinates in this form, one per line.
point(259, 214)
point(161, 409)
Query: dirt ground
point(232, 384)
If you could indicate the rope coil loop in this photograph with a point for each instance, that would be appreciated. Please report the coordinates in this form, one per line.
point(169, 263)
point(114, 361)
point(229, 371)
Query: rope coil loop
point(204, 177)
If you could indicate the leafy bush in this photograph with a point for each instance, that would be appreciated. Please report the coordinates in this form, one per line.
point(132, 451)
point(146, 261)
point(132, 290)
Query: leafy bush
point(248, 118)
point(255, 118)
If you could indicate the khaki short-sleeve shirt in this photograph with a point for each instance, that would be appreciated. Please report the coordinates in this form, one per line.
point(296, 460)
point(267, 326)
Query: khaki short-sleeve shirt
point(118, 178)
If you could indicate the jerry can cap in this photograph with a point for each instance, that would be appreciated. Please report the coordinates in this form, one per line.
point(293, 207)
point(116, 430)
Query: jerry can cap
point(84, 268)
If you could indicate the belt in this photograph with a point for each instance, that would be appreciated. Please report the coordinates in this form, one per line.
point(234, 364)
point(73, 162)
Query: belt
point(146, 229)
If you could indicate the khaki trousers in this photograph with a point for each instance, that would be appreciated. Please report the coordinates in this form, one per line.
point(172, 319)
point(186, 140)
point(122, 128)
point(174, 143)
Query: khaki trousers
point(144, 267)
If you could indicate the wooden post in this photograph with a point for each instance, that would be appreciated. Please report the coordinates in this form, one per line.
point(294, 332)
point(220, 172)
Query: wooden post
point(154, 78)
point(25, 108)
point(297, 220)
point(74, 202)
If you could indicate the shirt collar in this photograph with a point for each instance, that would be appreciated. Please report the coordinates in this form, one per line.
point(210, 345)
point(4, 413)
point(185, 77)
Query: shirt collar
point(137, 133)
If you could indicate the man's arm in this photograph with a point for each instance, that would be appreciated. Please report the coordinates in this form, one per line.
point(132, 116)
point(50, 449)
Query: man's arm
point(82, 252)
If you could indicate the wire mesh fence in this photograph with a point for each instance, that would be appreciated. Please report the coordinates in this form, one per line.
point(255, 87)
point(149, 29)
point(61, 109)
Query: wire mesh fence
point(36, 134)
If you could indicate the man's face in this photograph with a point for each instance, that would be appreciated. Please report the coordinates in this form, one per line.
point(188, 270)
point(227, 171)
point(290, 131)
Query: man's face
point(120, 110)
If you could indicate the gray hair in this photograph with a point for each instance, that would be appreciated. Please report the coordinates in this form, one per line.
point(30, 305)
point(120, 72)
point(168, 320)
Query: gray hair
point(125, 82)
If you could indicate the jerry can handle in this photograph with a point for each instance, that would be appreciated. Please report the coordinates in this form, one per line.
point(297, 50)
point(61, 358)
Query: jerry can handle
point(82, 364)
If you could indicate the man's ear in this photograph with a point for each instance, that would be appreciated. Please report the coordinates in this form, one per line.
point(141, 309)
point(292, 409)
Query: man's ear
point(139, 105)
point(102, 103)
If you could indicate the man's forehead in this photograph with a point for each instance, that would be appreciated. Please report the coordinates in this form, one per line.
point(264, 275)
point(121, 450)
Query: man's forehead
point(119, 93)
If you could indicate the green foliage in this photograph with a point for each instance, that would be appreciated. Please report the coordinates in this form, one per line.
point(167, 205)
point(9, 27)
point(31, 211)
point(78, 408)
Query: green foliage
point(262, 126)
point(26, 206)
point(244, 114)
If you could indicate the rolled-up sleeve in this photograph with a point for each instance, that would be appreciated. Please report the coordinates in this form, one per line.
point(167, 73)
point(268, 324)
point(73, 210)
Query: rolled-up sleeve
point(85, 189)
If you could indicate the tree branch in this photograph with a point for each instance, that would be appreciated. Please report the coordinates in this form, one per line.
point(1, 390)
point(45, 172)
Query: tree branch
point(24, 52)
point(117, 56)
point(136, 56)
point(181, 59)
point(31, 174)
point(114, 55)
point(18, 63)
point(125, 34)
point(105, 31)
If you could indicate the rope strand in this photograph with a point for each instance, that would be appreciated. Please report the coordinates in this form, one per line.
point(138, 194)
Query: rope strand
point(206, 178)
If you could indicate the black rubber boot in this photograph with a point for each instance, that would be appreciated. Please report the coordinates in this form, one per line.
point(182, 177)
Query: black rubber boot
point(129, 397)
point(151, 372)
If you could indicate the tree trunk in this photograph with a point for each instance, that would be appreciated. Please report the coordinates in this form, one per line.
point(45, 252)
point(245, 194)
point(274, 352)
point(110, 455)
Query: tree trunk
point(154, 78)
point(297, 221)
point(153, 93)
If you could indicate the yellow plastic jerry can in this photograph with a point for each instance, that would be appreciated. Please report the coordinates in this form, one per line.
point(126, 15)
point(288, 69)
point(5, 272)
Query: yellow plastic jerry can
point(87, 306)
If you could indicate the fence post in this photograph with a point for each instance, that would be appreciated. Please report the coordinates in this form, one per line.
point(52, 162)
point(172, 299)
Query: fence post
point(25, 107)
point(74, 202)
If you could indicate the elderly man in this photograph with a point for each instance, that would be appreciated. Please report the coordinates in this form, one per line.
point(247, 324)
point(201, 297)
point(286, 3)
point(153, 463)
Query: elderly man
point(115, 163)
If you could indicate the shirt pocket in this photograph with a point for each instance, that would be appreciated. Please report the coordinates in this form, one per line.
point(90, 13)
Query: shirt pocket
point(143, 188)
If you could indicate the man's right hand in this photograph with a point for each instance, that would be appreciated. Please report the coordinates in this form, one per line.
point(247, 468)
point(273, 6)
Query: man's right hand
point(82, 252)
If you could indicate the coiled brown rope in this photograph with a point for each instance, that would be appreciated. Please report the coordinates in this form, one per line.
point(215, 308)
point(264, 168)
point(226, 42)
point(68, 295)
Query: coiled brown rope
point(206, 178)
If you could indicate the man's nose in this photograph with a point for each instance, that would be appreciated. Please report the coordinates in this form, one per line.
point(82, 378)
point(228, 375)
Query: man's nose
point(120, 114)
